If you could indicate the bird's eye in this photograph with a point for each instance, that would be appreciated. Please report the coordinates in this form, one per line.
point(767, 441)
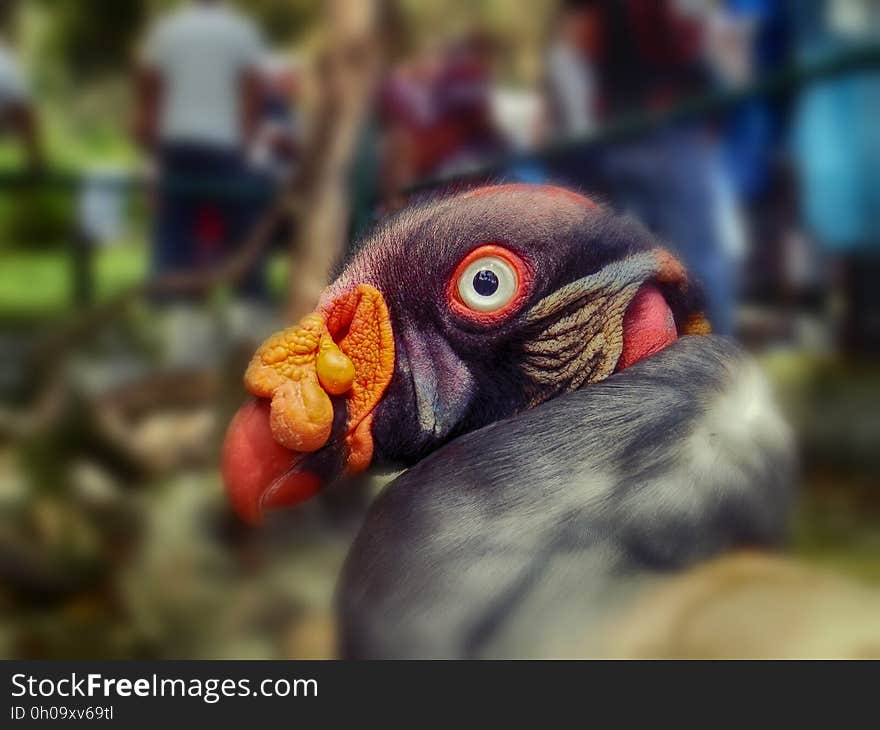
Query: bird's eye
point(487, 284)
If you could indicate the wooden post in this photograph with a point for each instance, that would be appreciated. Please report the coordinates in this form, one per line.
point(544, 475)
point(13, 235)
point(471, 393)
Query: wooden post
point(347, 74)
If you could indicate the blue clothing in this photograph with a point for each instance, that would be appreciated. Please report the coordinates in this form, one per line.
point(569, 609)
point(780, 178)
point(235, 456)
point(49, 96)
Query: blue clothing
point(837, 151)
point(207, 204)
point(667, 181)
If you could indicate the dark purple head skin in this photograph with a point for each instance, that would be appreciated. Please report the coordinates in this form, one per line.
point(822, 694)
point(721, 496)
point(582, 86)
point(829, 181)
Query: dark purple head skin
point(451, 375)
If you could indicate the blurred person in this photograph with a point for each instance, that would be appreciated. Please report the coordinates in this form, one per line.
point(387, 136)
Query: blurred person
point(746, 39)
point(197, 110)
point(644, 57)
point(463, 98)
point(406, 114)
point(18, 115)
point(276, 146)
point(437, 115)
point(570, 80)
point(836, 146)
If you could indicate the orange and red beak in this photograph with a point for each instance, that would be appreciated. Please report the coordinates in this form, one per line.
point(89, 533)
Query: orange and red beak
point(341, 356)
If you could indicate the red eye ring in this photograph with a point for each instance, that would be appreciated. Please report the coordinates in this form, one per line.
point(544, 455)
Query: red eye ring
point(489, 251)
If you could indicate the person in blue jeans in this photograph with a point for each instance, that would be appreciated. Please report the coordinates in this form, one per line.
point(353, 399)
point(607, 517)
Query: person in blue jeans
point(207, 203)
point(197, 108)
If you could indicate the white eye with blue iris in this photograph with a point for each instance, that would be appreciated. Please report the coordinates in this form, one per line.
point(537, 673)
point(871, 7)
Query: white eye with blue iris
point(487, 284)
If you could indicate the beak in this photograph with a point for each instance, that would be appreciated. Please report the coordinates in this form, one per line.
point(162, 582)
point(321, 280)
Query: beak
point(316, 386)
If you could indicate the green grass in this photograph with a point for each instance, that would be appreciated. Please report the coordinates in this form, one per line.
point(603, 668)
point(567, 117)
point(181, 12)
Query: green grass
point(836, 523)
point(38, 283)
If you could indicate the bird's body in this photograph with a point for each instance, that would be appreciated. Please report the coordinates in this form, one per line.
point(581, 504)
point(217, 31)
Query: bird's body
point(528, 536)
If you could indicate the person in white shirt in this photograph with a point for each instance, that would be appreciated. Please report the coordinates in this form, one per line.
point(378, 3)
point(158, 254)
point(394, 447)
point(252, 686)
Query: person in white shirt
point(198, 103)
point(199, 78)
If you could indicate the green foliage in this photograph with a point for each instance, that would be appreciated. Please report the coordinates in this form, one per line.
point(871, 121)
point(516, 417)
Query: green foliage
point(38, 282)
point(35, 217)
point(283, 21)
point(94, 37)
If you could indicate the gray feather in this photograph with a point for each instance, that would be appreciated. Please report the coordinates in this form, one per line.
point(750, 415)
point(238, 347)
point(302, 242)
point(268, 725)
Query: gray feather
point(516, 539)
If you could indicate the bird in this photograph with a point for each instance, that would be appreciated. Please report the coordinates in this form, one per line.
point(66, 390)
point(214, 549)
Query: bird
point(572, 434)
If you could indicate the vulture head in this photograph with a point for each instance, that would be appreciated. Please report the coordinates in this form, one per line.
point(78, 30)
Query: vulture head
point(454, 315)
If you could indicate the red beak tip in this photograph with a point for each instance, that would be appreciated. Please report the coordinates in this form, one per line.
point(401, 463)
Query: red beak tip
point(258, 473)
point(251, 460)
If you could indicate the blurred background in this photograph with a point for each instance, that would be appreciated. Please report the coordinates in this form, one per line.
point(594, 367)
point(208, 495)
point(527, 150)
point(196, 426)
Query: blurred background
point(178, 179)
